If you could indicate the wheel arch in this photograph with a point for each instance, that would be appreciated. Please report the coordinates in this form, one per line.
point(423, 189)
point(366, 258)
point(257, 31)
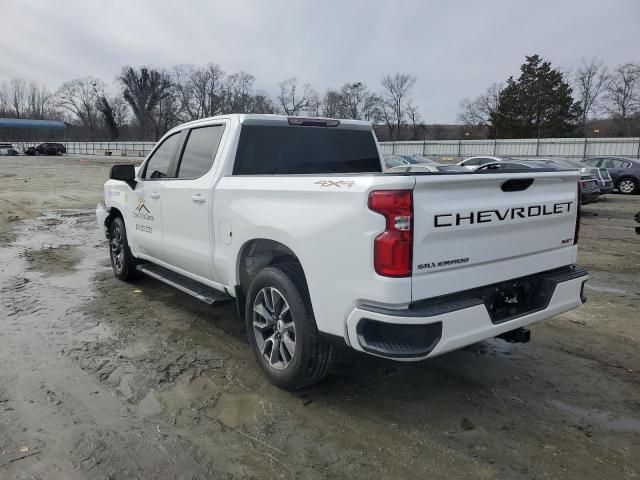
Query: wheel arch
point(114, 212)
point(255, 255)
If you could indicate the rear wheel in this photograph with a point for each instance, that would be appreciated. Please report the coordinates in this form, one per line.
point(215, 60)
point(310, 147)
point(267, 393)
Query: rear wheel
point(59, 152)
point(628, 186)
point(123, 262)
point(282, 329)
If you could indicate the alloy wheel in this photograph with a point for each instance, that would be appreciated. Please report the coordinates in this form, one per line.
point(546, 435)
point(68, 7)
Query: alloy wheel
point(627, 186)
point(274, 329)
point(117, 250)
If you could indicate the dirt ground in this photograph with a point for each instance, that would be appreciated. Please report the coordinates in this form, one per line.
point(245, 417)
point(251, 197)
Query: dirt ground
point(106, 380)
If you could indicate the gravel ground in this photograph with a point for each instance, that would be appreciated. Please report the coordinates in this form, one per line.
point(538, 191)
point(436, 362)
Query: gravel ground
point(106, 380)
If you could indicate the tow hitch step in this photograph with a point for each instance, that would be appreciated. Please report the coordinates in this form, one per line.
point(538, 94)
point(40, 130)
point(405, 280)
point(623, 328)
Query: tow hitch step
point(195, 289)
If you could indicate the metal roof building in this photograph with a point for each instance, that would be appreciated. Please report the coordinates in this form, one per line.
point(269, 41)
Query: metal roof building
point(30, 124)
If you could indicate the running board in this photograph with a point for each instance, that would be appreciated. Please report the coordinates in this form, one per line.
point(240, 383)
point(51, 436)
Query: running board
point(195, 289)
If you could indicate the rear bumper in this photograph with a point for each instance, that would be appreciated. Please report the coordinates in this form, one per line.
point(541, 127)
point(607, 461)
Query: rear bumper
point(432, 327)
point(590, 197)
point(606, 186)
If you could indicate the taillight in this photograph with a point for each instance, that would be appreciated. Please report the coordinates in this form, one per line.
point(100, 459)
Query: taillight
point(576, 235)
point(393, 248)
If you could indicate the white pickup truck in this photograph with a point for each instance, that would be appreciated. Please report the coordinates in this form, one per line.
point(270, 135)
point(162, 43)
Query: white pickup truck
point(295, 219)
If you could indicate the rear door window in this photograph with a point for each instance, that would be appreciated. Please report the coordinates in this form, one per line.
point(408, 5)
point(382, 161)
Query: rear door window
point(264, 150)
point(199, 151)
point(473, 162)
point(593, 162)
point(615, 163)
point(160, 162)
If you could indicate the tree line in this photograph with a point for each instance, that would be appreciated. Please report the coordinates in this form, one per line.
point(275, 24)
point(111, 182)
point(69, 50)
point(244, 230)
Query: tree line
point(150, 101)
point(547, 102)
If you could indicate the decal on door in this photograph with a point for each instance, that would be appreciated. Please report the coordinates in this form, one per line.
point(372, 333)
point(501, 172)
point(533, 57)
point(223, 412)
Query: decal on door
point(141, 210)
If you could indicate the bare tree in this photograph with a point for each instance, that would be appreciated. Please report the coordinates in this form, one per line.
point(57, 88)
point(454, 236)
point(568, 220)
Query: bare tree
point(113, 109)
point(353, 96)
point(414, 118)
point(13, 97)
point(120, 110)
point(201, 90)
point(38, 101)
point(622, 96)
point(479, 111)
point(239, 92)
point(623, 91)
point(79, 97)
point(169, 110)
point(396, 89)
point(591, 79)
point(294, 102)
point(331, 104)
point(372, 108)
point(143, 90)
point(262, 103)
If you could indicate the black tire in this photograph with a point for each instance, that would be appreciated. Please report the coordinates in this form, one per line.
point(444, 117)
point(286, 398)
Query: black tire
point(59, 152)
point(313, 356)
point(628, 186)
point(123, 262)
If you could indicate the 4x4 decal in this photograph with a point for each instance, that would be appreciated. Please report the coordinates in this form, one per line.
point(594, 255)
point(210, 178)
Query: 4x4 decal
point(336, 183)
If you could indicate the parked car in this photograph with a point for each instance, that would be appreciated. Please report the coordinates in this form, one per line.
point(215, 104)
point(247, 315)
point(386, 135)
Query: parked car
point(393, 160)
point(511, 164)
point(7, 149)
point(426, 168)
point(624, 171)
point(292, 218)
point(416, 163)
point(48, 148)
point(588, 180)
point(472, 163)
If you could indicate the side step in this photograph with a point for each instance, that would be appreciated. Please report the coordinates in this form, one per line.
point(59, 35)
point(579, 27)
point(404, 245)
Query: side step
point(195, 289)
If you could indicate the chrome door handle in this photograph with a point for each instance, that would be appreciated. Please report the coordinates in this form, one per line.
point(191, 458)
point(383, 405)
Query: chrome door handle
point(154, 195)
point(198, 198)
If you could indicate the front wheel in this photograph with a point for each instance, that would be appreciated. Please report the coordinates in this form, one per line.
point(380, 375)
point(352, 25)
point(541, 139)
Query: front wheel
point(122, 261)
point(628, 186)
point(282, 329)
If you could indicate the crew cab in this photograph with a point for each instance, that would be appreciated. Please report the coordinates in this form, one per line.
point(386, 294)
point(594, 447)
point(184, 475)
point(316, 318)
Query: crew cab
point(295, 220)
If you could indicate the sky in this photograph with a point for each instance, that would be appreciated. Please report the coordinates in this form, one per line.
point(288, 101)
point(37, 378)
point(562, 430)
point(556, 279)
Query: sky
point(454, 48)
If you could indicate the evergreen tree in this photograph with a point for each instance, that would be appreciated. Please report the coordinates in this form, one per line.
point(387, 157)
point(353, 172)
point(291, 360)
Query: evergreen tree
point(538, 104)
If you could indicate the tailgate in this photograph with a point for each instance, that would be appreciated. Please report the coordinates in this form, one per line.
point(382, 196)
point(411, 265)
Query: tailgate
point(477, 229)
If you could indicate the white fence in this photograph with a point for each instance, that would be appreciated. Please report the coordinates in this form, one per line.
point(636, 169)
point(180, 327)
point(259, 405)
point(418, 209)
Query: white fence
point(127, 149)
point(544, 147)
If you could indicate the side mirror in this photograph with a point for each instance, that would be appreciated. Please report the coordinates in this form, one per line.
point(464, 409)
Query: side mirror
point(124, 173)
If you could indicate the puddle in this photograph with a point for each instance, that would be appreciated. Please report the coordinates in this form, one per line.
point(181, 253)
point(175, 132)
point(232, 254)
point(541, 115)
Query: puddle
point(239, 409)
point(53, 259)
point(149, 406)
point(100, 332)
